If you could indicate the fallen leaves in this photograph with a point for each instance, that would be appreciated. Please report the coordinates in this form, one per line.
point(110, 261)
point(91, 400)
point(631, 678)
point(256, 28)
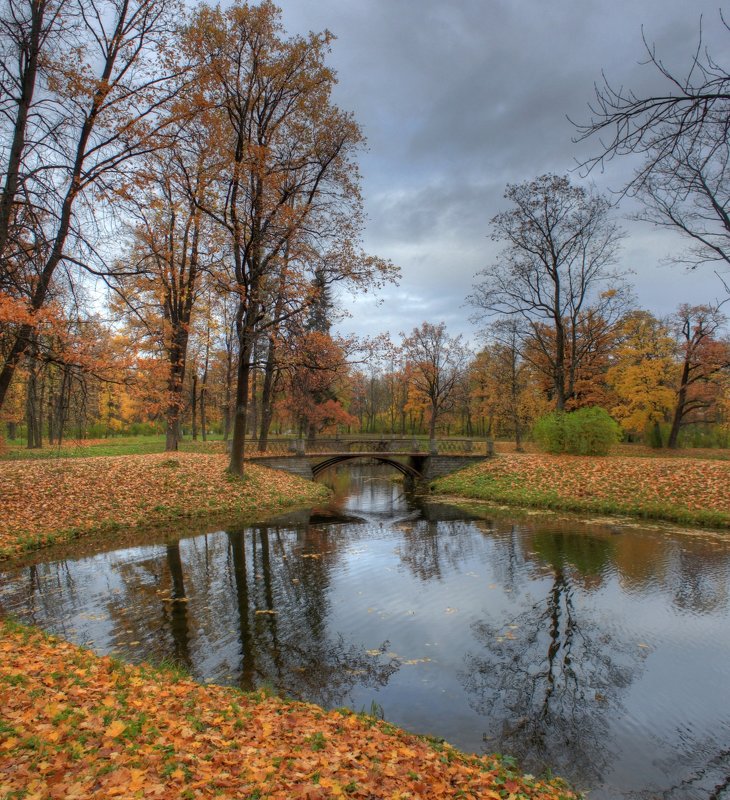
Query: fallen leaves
point(689, 490)
point(115, 729)
point(61, 737)
point(51, 500)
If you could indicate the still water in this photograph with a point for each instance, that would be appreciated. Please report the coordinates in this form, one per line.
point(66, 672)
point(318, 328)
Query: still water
point(597, 651)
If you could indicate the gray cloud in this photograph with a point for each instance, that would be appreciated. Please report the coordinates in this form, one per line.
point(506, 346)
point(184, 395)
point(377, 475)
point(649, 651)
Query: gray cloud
point(458, 99)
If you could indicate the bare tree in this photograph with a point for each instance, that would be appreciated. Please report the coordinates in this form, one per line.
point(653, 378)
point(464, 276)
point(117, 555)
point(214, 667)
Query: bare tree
point(693, 104)
point(683, 135)
point(703, 360)
point(554, 276)
point(689, 192)
point(29, 32)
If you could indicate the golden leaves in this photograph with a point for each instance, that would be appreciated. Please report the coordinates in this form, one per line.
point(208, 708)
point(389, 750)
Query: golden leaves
point(44, 499)
point(682, 489)
point(129, 732)
point(115, 729)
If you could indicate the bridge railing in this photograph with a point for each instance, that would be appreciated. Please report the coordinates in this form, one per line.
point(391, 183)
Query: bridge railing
point(370, 444)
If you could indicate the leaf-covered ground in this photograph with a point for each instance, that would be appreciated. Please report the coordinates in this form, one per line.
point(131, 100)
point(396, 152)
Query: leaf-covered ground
point(47, 501)
point(688, 490)
point(75, 726)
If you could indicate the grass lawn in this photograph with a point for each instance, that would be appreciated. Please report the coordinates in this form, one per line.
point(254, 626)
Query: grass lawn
point(113, 446)
point(73, 725)
point(54, 500)
point(691, 491)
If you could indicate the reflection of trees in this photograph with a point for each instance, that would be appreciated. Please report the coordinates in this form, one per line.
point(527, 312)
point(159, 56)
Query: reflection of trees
point(554, 676)
point(430, 549)
point(509, 568)
point(589, 555)
point(705, 770)
point(701, 584)
point(282, 609)
point(692, 572)
point(178, 611)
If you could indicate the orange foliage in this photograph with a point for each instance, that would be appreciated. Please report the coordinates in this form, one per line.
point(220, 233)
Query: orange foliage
point(75, 725)
point(45, 500)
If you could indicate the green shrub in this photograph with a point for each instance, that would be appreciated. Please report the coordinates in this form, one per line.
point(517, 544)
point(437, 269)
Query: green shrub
point(587, 432)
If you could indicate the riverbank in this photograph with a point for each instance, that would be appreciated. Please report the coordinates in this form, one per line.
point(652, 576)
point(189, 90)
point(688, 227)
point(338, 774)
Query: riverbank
point(74, 725)
point(689, 491)
point(54, 500)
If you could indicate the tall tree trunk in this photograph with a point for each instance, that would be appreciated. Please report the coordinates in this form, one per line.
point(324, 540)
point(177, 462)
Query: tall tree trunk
point(559, 368)
point(673, 441)
point(194, 405)
point(204, 389)
point(254, 406)
point(29, 60)
point(51, 410)
point(432, 425)
point(518, 434)
point(175, 380)
point(203, 413)
point(311, 434)
point(227, 403)
point(238, 441)
point(32, 415)
point(267, 395)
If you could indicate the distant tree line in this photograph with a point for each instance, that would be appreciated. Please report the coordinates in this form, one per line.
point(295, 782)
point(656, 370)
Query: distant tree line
point(192, 162)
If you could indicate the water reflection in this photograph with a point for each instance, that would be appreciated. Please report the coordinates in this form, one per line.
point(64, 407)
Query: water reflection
point(553, 673)
point(596, 651)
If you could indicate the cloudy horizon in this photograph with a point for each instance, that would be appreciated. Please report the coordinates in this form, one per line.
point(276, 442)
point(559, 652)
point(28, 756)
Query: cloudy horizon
point(457, 100)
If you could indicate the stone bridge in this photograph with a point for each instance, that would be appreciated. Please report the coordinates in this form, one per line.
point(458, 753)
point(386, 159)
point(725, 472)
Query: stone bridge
point(419, 461)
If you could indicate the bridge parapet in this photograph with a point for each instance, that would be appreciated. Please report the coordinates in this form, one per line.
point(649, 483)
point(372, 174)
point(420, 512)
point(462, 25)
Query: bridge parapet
point(369, 444)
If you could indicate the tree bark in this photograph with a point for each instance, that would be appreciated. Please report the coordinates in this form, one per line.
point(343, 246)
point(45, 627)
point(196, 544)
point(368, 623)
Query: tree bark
point(238, 440)
point(29, 59)
point(673, 441)
point(194, 406)
point(175, 381)
point(267, 395)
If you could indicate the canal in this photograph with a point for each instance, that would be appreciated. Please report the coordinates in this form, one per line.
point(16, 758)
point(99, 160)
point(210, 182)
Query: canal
point(596, 650)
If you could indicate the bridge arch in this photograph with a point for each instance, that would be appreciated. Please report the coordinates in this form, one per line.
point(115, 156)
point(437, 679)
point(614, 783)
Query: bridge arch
point(404, 469)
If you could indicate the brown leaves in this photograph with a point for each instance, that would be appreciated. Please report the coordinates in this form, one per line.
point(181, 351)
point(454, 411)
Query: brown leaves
point(683, 489)
point(161, 738)
point(47, 500)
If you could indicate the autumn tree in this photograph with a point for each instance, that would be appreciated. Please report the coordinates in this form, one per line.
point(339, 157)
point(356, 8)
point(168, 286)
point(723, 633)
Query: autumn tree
point(396, 385)
point(286, 172)
point(173, 249)
point(317, 381)
point(508, 378)
point(100, 100)
point(703, 359)
point(30, 31)
point(555, 274)
point(437, 362)
point(643, 374)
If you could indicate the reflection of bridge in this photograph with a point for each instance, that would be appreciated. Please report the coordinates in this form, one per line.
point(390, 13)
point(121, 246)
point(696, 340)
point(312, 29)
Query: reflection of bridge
point(418, 459)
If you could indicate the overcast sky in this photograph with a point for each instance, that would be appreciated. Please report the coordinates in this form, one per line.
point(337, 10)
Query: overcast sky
point(459, 98)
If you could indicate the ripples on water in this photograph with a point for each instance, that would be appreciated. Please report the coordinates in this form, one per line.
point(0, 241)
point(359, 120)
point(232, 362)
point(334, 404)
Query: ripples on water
point(602, 653)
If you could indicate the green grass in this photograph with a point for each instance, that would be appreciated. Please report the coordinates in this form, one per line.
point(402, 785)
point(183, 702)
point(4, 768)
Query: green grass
point(116, 446)
point(503, 490)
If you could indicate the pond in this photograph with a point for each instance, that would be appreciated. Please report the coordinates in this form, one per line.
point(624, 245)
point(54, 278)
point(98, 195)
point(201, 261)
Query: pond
point(598, 651)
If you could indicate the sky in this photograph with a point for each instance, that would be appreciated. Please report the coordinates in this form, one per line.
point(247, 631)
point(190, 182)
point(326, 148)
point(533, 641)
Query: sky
point(459, 98)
